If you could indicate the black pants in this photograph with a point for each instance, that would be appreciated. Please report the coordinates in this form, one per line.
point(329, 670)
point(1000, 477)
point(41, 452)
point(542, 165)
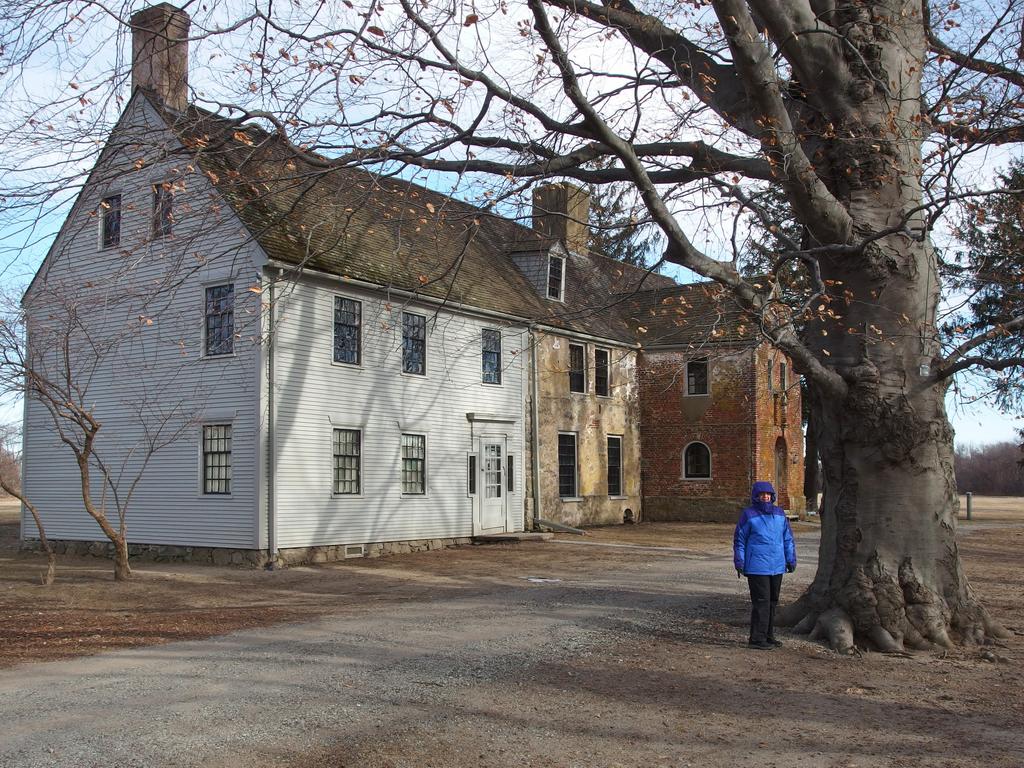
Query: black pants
point(764, 599)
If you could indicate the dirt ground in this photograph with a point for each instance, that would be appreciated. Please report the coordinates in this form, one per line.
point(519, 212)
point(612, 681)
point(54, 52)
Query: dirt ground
point(696, 685)
point(85, 611)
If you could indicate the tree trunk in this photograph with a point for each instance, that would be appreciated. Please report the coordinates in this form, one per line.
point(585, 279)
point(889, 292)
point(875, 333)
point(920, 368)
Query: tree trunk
point(889, 573)
point(51, 569)
point(811, 477)
point(51, 558)
point(122, 568)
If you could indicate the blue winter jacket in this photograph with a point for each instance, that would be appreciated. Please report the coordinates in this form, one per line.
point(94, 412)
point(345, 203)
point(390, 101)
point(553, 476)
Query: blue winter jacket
point(763, 542)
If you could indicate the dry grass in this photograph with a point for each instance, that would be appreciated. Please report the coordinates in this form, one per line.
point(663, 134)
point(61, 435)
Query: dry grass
point(992, 509)
point(10, 510)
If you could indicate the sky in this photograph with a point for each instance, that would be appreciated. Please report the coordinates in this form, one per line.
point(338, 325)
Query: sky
point(979, 424)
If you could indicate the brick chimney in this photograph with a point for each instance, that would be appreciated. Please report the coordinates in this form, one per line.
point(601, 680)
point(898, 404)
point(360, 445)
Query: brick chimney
point(561, 211)
point(160, 54)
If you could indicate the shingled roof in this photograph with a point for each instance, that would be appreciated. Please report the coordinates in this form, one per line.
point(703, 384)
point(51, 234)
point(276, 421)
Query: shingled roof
point(347, 222)
point(394, 233)
point(690, 316)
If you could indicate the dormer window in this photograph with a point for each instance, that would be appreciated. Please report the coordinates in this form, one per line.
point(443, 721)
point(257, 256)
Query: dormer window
point(556, 277)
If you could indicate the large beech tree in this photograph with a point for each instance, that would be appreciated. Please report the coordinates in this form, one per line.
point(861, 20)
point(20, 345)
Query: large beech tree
point(864, 114)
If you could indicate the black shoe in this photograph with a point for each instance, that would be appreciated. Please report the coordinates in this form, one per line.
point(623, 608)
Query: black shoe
point(761, 645)
point(772, 641)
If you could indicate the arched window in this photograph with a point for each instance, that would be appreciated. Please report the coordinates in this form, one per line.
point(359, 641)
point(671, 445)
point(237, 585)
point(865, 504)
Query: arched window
point(696, 461)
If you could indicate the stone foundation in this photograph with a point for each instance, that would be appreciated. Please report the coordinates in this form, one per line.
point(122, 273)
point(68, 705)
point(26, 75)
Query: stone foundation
point(245, 558)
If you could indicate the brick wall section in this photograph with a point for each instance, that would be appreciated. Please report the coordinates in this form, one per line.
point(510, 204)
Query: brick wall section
point(735, 420)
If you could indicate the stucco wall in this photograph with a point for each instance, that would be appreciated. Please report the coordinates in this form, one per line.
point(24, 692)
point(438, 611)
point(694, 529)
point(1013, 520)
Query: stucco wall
point(592, 419)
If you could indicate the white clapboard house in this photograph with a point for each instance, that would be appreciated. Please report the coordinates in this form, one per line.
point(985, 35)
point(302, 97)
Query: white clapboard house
point(308, 365)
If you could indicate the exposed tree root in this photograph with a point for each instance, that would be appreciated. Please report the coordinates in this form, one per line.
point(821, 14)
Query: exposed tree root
point(883, 641)
point(806, 624)
point(890, 613)
point(835, 626)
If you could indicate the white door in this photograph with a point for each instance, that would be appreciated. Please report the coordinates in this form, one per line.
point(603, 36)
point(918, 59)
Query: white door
point(492, 484)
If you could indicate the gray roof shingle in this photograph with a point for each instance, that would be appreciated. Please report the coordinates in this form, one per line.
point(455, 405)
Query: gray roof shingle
point(393, 233)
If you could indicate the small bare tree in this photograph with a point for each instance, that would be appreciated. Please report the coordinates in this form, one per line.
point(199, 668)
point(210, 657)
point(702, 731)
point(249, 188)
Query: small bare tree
point(10, 482)
point(55, 363)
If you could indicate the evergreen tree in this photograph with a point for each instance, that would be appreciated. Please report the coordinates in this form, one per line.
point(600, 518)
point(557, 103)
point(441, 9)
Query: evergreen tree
point(988, 276)
point(617, 228)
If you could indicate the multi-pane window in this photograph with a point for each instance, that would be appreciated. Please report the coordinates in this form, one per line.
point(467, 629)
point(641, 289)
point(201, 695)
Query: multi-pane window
point(783, 377)
point(577, 368)
point(220, 320)
point(414, 343)
point(602, 384)
point(110, 221)
point(614, 466)
point(492, 471)
point(556, 270)
point(490, 344)
point(217, 458)
point(697, 461)
point(697, 377)
point(414, 464)
point(346, 461)
point(567, 465)
point(471, 474)
point(347, 322)
point(163, 209)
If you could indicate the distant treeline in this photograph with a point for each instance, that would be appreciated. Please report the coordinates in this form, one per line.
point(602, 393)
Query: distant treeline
point(990, 470)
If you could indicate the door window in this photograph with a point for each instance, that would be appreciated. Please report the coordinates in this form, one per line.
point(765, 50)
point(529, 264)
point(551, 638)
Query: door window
point(492, 471)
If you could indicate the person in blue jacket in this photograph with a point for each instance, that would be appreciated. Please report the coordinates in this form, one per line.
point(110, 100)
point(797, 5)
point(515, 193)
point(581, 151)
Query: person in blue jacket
point(763, 548)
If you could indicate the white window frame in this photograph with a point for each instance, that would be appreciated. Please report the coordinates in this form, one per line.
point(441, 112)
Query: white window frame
point(707, 447)
point(335, 493)
point(156, 224)
point(202, 458)
point(102, 214)
point(686, 382)
point(334, 332)
point(547, 279)
point(205, 331)
point(426, 341)
point(576, 468)
point(426, 466)
point(483, 351)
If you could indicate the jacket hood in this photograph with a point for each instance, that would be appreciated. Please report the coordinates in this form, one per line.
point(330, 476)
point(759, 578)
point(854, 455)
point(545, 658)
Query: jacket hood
point(761, 486)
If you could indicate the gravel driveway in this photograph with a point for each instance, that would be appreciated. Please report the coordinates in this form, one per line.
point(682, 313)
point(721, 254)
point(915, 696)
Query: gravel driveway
point(251, 697)
point(637, 659)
